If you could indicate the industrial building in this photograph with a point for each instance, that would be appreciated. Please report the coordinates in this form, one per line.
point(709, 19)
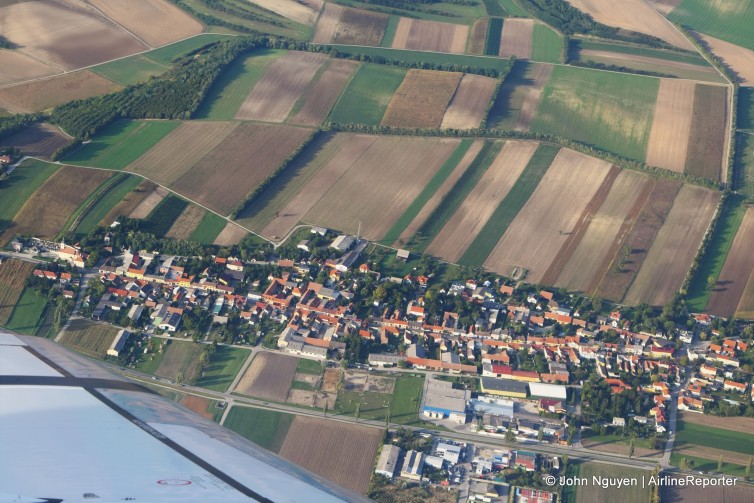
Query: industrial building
point(485, 405)
point(449, 452)
point(541, 390)
point(388, 461)
point(413, 465)
point(442, 401)
point(118, 343)
point(503, 387)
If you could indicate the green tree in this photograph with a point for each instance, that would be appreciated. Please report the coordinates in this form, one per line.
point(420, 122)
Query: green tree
point(631, 447)
point(720, 464)
point(510, 436)
point(179, 378)
point(747, 473)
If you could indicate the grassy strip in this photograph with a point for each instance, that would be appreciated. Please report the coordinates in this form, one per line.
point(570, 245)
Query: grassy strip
point(20, 185)
point(691, 58)
point(222, 368)
point(128, 71)
point(167, 54)
point(208, 229)
point(509, 207)
point(444, 11)
point(112, 196)
point(429, 190)
point(708, 465)
point(265, 428)
point(89, 203)
point(306, 366)
point(494, 33)
point(301, 385)
point(547, 45)
point(712, 261)
point(455, 196)
point(494, 8)
point(164, 215)
point(27, 313)
point(390, 29)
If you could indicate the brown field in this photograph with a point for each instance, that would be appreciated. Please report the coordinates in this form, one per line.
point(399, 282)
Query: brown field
point(631, 251)
point(421, 35)
point(478, 36)
point(184, 147)
point(19, 67)
point(343, 453)
point(224, 177)
point(156, 22)
point(745, 309)
point(281, 86)
point(377, 189)
point(13, 274)
point(331, 380)
point(37, 140)
point(648, 63)
point(737, 458)
point(540, 229)
point(669, 137)
point(634, 15)
point(674, 248)
point(739, 264)
point(198, 404)
point(742, 424)
point(616, 448)
point(469, 103)
point(43, 94)
point(269, 376)
point(186, 222)
point(327, 23)
point(67, 36)
point(360, 27)
point(322, 95)
point(609, 225)
point(516, 38)
point(469, 219)
point(531, 94)
point(230, 235)
point(301, 11)
point(127, 205)
point(708, 139)
point(45, 213)
point(89, 337)
point(147, 200)
point(421, 99)
point(737, 58)
point(695, 494)
point(665, 6)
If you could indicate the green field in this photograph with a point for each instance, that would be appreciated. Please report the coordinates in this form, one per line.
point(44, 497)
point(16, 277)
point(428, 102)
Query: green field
point(511, 8)
point(706, 436)
point(709, 465)
point(390, 28)
point(486, 63)
point(445, 11)
point(121, 143)
point(427, 192)
point(265, 428)
point(20, 185)
point(164, 215)
point(367, 96)
point(27, 315)
point(167, 54)
point(222, 368)
point(233, 85)
point(131, 70)
point(714, 257)
point(115, 193)
point(494, 8)
point(492, 40)
point(509, 207)
point(730, 20)
point(744, 167)
point(546, 44)
point(406, 399)
point(403, 404)
point(208, 229)
point(611, 111)
point(306, 366)
point(594, 493)
point(249, 18)
point(745, 114)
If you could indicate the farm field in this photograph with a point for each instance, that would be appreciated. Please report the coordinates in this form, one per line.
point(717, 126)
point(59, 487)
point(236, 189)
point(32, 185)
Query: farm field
point(744, 164)
point(737, 58)
point(706, 441)
point(19, 67)
point(669, 136)
point(459, 13)
point(649, 64)
point(231, 234)
point(89, 337)
point(26, 315)
point(519, 96)
point(180, 358)
point(121, 143)
point(422, 35)
point(222, 178)
point(304, 12)
point(707, 138)
point(590, 493)
point(131, 70)
point(367, 95)
point(130, 202)
point(608, 110)
point(265, 428)
point(546, 45)
point(719, 494)
point(43, 94)
point(541, 228)
point(477, 37)
point(745, 308)
point(343, 453)
point(18, 188)
point(37, 140)
point(729, 21)
point(13, 274)
point(421, 99)
point(469, 103)
point(168, 53)
point(740, 424)
point(674, 248)
point(107, 202)
point(222, 368)
point(161, 218)
point(516, 38)
point(269, 376)
point(344, 25)
point(208, 229)
point(617, 444)
point(314, 106)
point(186, 222)
point(284, 81)
point(47, 210)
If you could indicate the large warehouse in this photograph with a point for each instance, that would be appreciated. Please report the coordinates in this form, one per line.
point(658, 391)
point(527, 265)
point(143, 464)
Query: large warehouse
point(541, 390)
point(442, 401)
point(504, 387)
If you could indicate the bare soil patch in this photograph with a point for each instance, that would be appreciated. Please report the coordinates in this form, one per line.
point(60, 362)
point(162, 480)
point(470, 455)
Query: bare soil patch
point(478, 36)
point(354, 381)
point(469, 219)
point(737, 58)
point(43, 94)
point(320, 399)
point(742, 424)
point(469, 103)
point(708, 135)
point(301, 397)
point(331, 380)
point(327, 23)
point(186, 222)
point(269, 376)
point(739, 264)
point(669, 137)
point(322, 95)
point(197, 404)
point(516, 38)
point(281, 86)
point(421, 99)
point(301, 11)
point(13, 274)
point(19, 67)
point(343, 453)
point(360, 27)
point(379, 384)
point(422, 35)
point(230, 235)
point(537, 234)
point(38, 140)
point(148, 201)
point(307, 378)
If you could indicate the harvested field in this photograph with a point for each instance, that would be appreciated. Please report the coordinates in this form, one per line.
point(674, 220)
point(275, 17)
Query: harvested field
point(516, 38)
point(745, 309)
point(355, 381)
point(678, 493)
point(46, 212)
point(478, 36)
point(634, 15)
point(519, 96)
point(422, 35)
point(343, 25)
point(269, 376)
point(13, 274)
point(19, 67)
point(651, 64)
point(340, 452)
point(737, 58)
point(147, 200)
point(66, 36)
point(156, 22)
point(230, 235)
point(198, 404)
point(43, 94)
point(327, 23)
point(284, 81)
point(607, 229)
point(672, 252)
point(469, 219)
point(177, 152)
point(89, 337)
point(740, 424)
point(542, 226)
point(322, 95)
point(739, 264)
point(669, 137)
point(224, 176)
point(378, 188)
point(304, 12)
point(186, 222)
point(37, 140)
point(621, 448)
point(698, 451)
point(469, 103)
point(593, 493)
point(421, 99)
point(331, 380)
point(707, 139)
